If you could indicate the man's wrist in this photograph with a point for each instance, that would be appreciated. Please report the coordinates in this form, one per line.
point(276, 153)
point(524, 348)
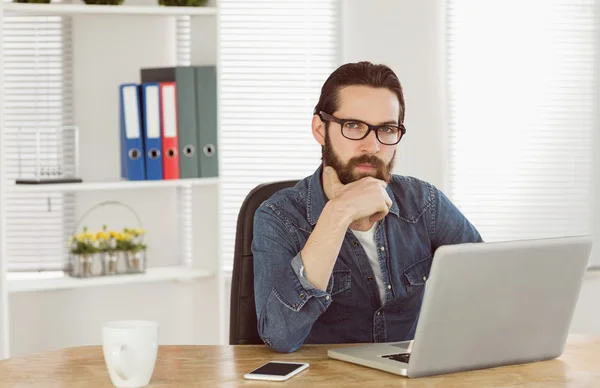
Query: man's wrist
point(339, 213)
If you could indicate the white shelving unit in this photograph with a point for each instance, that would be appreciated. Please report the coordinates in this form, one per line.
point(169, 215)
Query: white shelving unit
point(25, 282)
point(197, 215)
point(85, 9)
point(117, 185)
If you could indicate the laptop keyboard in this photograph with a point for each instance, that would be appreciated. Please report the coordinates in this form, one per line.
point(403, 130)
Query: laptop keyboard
point(401, 357)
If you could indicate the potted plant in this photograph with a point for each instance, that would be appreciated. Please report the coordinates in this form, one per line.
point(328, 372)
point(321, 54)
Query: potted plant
point(83, 247)
point(107, 246)
point(131, 243)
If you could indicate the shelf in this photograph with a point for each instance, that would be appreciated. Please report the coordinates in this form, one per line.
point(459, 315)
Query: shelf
point(85, 9)
point(117, 185)
point(40, 281)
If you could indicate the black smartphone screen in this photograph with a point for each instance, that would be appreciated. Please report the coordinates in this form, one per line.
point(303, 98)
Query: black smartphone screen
point(276, 369)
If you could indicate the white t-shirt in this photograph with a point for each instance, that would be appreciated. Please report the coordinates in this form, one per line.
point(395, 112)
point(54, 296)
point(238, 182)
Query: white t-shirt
point(367, 240)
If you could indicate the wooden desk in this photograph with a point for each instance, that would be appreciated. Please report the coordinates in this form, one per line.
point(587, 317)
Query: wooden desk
point(224, 366)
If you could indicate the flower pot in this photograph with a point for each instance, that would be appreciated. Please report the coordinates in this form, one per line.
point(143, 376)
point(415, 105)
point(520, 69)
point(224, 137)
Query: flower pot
point(135, 261)
point(82, 265)
point(109, 263)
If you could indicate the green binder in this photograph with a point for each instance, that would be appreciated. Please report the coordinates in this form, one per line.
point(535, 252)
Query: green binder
point(185, 79)
point(206, 120)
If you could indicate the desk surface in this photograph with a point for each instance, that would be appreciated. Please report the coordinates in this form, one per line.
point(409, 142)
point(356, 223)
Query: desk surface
point(217, 366)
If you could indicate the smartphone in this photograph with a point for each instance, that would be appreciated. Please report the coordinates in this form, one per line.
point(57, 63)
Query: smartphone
point(276, 371)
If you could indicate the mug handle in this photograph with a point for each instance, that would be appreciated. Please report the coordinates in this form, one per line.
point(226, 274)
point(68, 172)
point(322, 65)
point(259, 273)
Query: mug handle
point(117, 354)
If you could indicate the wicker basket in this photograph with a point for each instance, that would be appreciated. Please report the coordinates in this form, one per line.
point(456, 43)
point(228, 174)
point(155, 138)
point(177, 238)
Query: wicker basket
point(105, 263)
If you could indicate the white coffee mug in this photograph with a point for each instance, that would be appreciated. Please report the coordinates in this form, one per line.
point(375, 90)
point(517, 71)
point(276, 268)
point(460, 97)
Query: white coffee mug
point(130, 349)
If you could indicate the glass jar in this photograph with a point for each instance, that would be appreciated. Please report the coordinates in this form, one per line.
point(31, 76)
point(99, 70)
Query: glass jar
point(83, 265)
point(109, 263)
point(135, 261)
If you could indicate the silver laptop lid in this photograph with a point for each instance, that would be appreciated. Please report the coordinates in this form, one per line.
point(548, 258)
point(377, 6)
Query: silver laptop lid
point(498, 303)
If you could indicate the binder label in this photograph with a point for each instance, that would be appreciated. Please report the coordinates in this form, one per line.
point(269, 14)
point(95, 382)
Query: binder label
point(132, 124)
point(152, 115)
point(170, 128)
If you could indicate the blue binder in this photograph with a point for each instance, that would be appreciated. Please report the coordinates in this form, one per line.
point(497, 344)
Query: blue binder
point(152, 130)
point(132, 142)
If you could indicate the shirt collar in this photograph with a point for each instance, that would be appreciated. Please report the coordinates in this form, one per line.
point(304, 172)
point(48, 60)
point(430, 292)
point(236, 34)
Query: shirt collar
point(317, 199)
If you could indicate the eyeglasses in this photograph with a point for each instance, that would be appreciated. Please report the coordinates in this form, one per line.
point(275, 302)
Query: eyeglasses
point(387, 134)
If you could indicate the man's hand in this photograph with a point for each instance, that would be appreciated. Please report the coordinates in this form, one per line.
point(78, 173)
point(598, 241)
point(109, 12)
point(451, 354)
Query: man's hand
point(365, 200)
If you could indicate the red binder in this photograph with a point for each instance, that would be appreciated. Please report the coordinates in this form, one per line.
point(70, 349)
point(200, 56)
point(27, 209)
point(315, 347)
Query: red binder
point(169, 129)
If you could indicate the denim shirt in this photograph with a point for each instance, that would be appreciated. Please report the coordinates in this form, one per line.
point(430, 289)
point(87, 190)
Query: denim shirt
point(291, 312)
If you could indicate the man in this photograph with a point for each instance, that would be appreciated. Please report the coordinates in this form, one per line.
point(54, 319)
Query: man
point(344, 255)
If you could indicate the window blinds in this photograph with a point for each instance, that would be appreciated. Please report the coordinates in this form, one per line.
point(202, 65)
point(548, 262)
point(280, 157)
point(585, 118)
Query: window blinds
point(37, 91)
point(521, 80)
point(274, 58)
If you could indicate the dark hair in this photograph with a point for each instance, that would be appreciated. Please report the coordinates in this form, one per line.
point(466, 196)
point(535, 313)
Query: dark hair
point(360, 73)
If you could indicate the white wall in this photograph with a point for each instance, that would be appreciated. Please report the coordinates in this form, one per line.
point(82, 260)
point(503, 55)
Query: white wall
point(107, 51)
point(408, 35)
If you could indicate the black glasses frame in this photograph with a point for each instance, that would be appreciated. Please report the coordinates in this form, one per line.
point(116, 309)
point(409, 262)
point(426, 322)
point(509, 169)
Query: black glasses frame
point(331, 118)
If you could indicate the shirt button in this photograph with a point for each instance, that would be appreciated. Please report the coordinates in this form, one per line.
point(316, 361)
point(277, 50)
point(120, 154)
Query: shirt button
point(424, 277)
point(301, 296)
point(382, 248)
point(370, 278)
point(378, 313)
point(389, 286)
point(355, 243)
point(326, 297)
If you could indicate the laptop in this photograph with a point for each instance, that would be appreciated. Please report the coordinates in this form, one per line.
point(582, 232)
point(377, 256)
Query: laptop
point(486, 305)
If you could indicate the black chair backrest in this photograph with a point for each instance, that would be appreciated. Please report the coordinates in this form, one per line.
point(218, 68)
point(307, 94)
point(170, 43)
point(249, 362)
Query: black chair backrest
point(242, 311)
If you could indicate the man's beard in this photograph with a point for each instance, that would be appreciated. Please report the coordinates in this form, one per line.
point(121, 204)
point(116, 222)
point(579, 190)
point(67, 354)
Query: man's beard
point(346, 172)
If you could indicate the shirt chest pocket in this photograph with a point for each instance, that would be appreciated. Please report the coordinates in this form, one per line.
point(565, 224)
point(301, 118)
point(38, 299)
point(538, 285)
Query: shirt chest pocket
point(416, 275)
point(340, 308)
point(342, 282)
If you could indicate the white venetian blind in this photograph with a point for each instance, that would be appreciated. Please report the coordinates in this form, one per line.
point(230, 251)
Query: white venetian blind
point(521, 79)
point(274, 57)
point(37, 92)
point(183, 40)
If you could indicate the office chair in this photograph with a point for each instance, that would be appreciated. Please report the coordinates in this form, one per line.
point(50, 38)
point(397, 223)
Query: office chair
point(242, 311)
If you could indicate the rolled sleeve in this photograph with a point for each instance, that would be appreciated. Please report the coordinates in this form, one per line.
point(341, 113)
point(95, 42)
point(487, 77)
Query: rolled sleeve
point(287, 305)
point(304, 290)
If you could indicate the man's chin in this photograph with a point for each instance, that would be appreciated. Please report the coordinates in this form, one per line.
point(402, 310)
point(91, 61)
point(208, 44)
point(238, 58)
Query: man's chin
point(363, 174)
point(356, 175)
